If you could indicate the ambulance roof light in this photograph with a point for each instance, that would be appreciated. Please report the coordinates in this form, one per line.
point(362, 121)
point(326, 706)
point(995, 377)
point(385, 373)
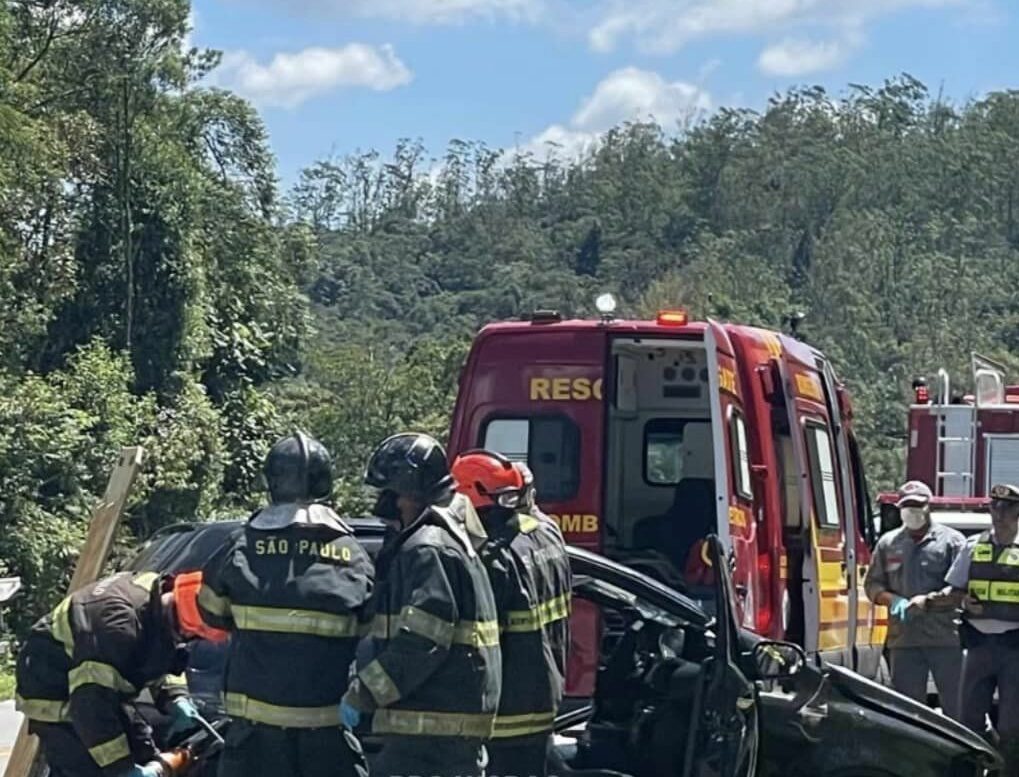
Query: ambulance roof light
point(606, 305)
point(672, 318)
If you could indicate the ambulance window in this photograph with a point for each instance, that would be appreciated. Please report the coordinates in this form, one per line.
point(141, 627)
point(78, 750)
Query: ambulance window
point(740, 454)
point(822, 474)
point(549, 444)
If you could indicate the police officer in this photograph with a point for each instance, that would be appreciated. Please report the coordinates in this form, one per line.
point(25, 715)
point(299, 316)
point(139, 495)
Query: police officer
point(429, 673)
point(84, 664)
point(291, 586)
point(530, 575)
point(985, 580)
point(908, 566)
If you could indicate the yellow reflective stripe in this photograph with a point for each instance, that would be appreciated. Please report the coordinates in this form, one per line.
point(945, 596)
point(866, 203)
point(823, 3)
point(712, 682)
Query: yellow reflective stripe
point(146, 580)
point(1006, 592)
point(242, 706)
point(1009, 557)
point(544, 614)
point(284, 620)
point(174, 681)
point(979, 589)
point(43, 710)
point(443, 724)
point(97, 673)
point(377, 680)
point(507, 726)
point(477, 633)
point(61, 625)
point(982, 552)
point(213, 602)
point(527, 523)
point(110, 752)
point(473, 633)
point(426, 625)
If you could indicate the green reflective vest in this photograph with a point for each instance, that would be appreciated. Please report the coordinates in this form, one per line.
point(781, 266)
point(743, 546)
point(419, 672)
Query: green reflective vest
point(994, 578)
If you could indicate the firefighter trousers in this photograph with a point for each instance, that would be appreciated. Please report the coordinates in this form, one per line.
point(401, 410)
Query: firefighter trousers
point(518, 757)
point(993, 663)
point(255, 750)
point(413, 756)
point(67, 756)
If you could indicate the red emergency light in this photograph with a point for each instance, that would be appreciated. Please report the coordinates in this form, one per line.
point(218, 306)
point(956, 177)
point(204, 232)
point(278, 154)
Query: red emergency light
point(672, 318)
point(921, 392)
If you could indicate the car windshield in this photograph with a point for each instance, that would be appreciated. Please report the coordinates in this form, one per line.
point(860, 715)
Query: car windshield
point(589, 587)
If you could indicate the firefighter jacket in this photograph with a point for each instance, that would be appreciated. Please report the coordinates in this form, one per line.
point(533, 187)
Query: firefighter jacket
point(97, 650)
point(430, 665)
point(994, 578)
point(531, 580)
point(292, 594)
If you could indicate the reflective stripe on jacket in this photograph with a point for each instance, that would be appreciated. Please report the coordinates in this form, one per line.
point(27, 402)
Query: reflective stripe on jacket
point(97, 649)
point(294, 600)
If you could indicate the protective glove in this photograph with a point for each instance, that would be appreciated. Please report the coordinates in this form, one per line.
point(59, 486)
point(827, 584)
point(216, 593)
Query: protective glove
point(899, 608)
point(151, 769)
point(349, 715)
point(184, 716)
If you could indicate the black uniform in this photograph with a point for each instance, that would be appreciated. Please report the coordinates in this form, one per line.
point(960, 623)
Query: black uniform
point(530, 574)
point(291, 586)
point(84, 664)
point(429, 672)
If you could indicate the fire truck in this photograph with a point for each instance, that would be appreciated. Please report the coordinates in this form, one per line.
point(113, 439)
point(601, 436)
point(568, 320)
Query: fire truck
point(960, 444)
point(646, 436)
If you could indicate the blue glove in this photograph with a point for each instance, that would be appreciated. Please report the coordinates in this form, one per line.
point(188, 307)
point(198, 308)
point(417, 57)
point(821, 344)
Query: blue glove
point(184, 716)
point(899, 608)
point(350, 715)
point(152, 769)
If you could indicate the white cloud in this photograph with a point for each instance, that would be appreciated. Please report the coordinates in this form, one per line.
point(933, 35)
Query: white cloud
point(290, 79)
point(629, 94)
point(667, 25)
point(795, 57)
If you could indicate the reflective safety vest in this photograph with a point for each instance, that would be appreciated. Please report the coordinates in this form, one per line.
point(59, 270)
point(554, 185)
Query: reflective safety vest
point(994, 578)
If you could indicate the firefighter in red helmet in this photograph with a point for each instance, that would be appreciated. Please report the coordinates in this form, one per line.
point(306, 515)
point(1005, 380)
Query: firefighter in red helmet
point(525, 556)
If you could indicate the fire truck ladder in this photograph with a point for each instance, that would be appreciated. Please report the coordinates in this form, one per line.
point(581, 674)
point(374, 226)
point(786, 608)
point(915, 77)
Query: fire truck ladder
point(955, 465)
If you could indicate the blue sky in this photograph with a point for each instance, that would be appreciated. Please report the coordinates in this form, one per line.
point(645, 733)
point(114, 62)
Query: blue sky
point(334, 76)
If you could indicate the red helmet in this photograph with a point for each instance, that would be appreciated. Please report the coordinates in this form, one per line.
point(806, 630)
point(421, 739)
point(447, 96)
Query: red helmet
point(489, 479)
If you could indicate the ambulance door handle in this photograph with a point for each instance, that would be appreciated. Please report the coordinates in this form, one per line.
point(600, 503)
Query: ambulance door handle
point(741, 591)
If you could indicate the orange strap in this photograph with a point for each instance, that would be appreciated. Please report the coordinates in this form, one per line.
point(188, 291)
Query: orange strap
point(185, 592)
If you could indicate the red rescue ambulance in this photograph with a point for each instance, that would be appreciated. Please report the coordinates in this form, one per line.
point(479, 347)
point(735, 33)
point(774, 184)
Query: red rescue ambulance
point(646, 436)
point(961, 444)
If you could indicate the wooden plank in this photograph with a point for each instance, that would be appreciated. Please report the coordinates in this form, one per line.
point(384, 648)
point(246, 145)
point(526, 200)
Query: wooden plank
point(24, 761)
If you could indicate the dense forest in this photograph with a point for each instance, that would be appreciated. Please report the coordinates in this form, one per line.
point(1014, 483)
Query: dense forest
point(157, 287)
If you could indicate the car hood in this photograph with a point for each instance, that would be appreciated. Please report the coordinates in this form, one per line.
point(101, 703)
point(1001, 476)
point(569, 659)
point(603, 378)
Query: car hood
point(868, 693)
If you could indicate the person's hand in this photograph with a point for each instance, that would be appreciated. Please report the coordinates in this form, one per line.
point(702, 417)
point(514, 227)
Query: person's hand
point(350, 715)
point(973, 606)
point(899, 608)
point(151, 769)
point(918, 602)
point(184, 716)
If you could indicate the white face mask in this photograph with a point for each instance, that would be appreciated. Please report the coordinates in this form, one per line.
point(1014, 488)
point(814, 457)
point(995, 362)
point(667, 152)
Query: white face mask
point(913, 518)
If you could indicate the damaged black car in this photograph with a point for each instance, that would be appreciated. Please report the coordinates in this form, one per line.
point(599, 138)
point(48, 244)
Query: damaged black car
point(679, 692)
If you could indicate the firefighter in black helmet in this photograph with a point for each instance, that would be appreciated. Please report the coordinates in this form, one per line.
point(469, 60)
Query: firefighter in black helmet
point(429, 672)
point(291, 586)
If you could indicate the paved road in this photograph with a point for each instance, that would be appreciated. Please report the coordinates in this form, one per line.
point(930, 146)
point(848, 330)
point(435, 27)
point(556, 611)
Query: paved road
point(10, 722)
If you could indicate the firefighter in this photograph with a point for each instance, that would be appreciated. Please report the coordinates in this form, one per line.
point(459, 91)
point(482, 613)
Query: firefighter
point(985, 581)
point(84, 664)
point(291, 586)
point(530, 574)
point(907, 571)
point(429, 672)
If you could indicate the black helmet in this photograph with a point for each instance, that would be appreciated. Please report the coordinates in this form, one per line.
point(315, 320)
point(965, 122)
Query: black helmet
point(299, 469)
point(410, 464)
